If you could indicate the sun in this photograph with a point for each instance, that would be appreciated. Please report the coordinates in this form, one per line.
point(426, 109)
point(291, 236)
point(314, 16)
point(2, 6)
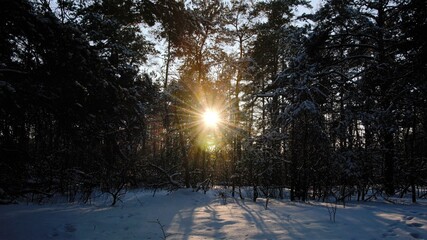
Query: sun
point(211, 118)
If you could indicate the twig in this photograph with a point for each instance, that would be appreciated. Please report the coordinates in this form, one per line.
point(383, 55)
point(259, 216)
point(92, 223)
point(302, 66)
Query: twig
point(162, 227)
point(139, 201)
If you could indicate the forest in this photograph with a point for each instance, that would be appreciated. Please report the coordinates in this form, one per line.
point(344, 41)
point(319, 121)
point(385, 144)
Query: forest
point(113, 95)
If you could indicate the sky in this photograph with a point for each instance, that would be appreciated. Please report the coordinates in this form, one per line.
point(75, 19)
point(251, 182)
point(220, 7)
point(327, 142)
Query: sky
point(314, 3)
point(154, 66)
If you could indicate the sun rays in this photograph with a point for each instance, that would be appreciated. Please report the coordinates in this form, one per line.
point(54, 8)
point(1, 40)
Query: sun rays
point(211, 118)
point(204, 114)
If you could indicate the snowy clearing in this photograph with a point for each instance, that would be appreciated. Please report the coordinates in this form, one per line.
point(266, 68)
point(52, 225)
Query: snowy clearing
point(193, 215)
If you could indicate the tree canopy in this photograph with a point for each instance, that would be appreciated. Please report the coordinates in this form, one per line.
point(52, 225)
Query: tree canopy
point(327, 103)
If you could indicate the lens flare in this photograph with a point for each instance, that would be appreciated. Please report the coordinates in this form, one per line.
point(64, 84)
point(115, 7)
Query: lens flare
point(211, 118)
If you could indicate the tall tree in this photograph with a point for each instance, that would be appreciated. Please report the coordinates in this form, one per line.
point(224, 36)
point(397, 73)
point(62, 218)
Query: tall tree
point(270, 53)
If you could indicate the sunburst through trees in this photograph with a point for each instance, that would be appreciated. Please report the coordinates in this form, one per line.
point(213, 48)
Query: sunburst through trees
point(331, 104)
point(211, 118)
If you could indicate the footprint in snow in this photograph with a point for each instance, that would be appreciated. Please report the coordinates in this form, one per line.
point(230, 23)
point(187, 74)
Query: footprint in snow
point(391, 234)
point(69, 228)
point(54, 235)
point(414, 225)
point(415, 235)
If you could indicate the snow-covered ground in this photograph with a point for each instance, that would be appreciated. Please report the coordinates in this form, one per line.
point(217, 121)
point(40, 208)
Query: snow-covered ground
point(184, 214)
